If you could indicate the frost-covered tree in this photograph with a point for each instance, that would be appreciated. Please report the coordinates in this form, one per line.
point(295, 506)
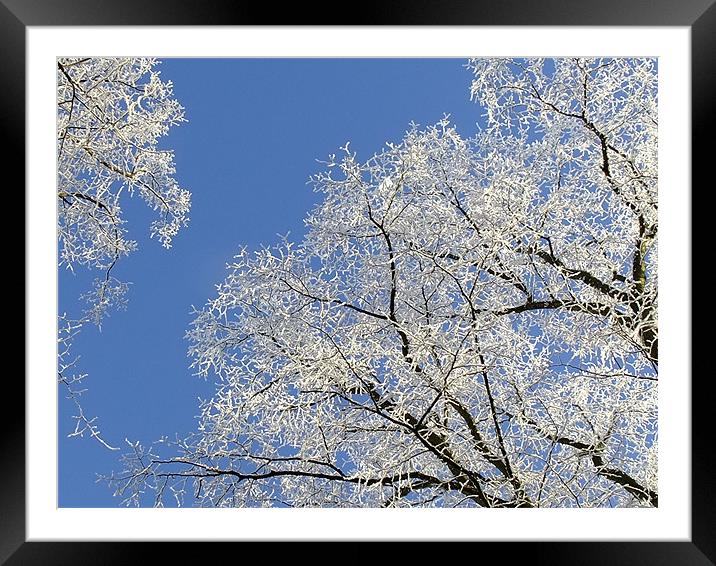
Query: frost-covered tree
point(468, 322)
point(111, 114)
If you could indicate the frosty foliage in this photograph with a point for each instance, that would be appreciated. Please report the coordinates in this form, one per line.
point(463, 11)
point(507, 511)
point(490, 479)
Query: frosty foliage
point(111, 114)
point(72, 382)
point(469, 322)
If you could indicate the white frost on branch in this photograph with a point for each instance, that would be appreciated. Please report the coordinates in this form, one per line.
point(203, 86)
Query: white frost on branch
point(111, 115)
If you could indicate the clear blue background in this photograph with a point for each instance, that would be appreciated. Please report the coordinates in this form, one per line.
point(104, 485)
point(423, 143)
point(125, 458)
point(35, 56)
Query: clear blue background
point(255, 130)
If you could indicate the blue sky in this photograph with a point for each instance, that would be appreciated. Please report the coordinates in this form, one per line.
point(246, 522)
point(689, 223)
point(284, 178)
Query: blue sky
point(256, 128)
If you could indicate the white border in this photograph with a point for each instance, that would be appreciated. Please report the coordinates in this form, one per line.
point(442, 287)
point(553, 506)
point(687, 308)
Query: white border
point(671, 521)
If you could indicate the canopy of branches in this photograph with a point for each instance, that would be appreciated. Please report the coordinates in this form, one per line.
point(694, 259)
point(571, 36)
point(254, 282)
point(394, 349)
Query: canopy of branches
point(469, 322)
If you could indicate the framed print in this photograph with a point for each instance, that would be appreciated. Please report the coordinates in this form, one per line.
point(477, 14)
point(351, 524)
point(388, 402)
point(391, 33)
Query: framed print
point(425, 340)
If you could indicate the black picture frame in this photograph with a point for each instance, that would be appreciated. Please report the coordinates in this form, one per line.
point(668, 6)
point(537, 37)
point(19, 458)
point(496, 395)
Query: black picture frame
point(698, 15)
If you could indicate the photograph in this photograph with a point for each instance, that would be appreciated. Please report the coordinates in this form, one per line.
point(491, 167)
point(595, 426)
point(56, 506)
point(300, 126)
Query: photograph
point(439, 282)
